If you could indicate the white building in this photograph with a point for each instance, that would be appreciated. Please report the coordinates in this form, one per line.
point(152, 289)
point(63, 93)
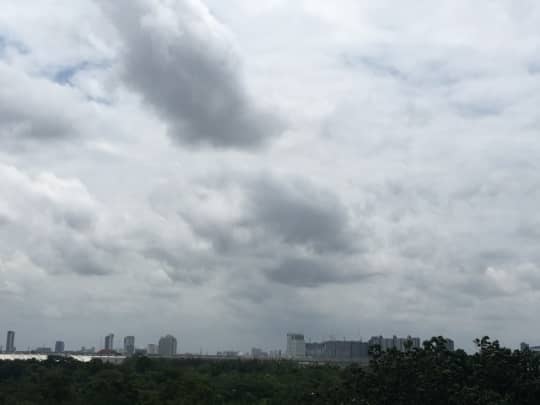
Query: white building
point(296, 346)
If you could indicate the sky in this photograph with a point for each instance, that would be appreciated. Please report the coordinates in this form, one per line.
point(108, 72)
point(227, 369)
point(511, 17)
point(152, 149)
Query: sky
point(228, 172)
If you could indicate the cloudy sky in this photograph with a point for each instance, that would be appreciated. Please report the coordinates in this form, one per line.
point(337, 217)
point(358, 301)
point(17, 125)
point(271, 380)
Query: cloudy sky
point(231, 171)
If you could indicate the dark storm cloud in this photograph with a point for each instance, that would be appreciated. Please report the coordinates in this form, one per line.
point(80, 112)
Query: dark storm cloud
point(180, 59)
point(300, 214)
point(312, 272)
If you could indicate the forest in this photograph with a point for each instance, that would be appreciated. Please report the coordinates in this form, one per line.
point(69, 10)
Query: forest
point(493, 375)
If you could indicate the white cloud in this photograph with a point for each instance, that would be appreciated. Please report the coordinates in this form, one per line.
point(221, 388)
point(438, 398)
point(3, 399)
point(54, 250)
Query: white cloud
point(402, 197)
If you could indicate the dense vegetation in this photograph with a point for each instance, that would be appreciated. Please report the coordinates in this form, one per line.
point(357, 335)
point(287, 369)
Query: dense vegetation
point(431, 375)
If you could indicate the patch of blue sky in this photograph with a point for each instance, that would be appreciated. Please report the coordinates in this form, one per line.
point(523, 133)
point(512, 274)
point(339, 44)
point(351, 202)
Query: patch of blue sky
point(429, 73)
point(534, 68)
point(478, 110)
point(8, 43)
point(376, 65)
point(65, 74)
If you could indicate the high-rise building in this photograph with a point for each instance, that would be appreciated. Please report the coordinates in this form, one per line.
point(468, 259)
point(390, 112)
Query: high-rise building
point(129, 345)
point(296, 346)
point(59, 346)
point(109, 342)
point(167, 346)
point(10, 342)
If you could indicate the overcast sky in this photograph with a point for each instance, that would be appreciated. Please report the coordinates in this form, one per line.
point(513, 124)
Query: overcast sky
point(229, 171)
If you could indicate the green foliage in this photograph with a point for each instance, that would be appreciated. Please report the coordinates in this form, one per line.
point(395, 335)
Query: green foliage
point(430, 375)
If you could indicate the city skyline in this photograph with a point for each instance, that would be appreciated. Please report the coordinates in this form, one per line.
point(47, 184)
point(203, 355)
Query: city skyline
point(167, 345)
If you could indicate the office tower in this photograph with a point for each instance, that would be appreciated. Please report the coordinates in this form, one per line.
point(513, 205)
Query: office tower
point(129, 345)
point(167, 346)
point(10, 342)
point(109, 342)
point(296, 346)
point(151, 349)
point(59, 347)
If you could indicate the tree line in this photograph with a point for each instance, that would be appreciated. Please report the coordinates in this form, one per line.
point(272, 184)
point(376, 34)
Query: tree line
point(431, 374)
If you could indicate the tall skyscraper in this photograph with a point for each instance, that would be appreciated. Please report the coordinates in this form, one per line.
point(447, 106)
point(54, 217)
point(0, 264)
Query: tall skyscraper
point(59, 347)
point(129, 345)
point(167, 346)
point(10, 342)
point(109, 342)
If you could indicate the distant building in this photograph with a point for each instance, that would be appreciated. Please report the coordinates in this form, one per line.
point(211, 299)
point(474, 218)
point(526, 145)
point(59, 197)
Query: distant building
point(450, 344)
point(296, 346)
point(43, 350)
point(229, 353)
point(10, 342)
point(129, 345)
point(523, 346)
point(400, 344)
point(59, 347)
point(109, 342)
point(151, 349)
point(167, 346)
point(275, 354)
point(338, 350)
point(257, 353)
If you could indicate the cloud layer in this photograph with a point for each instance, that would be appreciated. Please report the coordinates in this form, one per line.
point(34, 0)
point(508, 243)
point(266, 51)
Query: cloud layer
point(229, 172)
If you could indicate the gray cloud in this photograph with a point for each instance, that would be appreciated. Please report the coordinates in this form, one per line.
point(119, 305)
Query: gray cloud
point(301, 214)
point(32, 109)
point(53, 221)
point(290, 231)
point(407, 184)
point(270, 212)
point(313, 272)
point(182, 61)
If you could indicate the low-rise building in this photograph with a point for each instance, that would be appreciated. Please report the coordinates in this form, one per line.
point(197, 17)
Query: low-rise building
point(337, 350)
point(398, 343)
